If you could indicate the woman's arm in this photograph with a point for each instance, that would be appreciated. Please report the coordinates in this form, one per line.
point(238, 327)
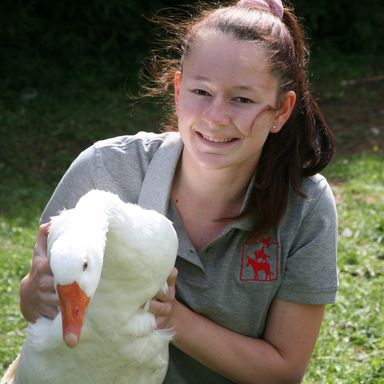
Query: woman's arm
point(281, 356)
point(37, 291)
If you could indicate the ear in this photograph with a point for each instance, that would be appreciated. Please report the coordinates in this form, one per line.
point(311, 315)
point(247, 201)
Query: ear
point(176, 86)
point(282, 114)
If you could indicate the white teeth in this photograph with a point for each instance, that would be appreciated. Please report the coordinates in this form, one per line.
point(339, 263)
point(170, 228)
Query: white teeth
point(217, 139)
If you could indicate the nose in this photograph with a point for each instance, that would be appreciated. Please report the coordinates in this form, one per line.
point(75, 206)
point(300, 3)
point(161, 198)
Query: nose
point(216, 113)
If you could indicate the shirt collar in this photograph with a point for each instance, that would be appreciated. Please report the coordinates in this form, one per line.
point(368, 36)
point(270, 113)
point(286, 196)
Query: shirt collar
point(157, 184)
point(247, 222)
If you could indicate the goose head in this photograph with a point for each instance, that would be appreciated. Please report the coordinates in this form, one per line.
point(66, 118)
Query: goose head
point(76, 266)
point(144, 241)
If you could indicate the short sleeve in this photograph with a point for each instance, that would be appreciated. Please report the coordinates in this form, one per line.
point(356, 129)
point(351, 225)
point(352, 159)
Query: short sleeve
point(117, 165)
point(77, 180)
point(310, 274)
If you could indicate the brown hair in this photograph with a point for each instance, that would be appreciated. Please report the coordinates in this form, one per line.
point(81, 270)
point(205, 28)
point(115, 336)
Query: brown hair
point(305, 145)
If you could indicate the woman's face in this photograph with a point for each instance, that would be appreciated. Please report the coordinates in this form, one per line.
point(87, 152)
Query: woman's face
point(225, 102)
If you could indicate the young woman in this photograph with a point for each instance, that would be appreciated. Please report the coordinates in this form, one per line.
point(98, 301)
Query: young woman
point(239, 179)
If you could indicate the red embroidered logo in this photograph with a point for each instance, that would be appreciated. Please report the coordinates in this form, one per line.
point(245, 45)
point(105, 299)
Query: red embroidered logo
point(259, 261)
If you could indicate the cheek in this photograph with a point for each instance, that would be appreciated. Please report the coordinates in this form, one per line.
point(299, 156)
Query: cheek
point(185, 117)
point(257, 124)
point(256, 121)
point(189, 110)
point(252, 126)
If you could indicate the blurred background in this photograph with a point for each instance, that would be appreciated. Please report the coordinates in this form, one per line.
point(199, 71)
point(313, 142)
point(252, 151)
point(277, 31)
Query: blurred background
point(67, 71)
point(66, 65)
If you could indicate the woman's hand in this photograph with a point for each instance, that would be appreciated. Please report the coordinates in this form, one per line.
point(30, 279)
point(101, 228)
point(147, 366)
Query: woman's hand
point(163, 305)
point(37, 291)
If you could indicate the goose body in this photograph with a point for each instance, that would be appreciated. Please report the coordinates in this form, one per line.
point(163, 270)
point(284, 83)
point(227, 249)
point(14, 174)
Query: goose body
point(119, 255)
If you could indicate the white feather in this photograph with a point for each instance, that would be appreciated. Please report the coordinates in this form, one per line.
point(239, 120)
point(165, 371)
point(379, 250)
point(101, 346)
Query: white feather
point(130, 253)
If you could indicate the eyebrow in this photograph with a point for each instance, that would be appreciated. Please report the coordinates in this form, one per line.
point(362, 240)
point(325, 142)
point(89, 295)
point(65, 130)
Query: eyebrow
point(241, 87)
point(245, 87)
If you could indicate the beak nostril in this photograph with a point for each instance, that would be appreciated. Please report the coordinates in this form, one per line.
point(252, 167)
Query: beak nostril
point(73, 303)
point(76, 313)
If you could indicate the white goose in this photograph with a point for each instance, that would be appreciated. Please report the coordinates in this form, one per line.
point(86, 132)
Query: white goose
point(116, 256)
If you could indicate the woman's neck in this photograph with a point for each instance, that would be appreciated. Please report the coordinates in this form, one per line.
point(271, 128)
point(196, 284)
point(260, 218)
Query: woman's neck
point(219, 192)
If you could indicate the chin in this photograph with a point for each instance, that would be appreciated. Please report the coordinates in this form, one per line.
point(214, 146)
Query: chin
point(213, 162)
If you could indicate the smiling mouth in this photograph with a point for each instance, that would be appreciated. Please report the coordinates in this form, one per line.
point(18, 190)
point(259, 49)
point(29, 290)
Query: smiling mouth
point(219, 140)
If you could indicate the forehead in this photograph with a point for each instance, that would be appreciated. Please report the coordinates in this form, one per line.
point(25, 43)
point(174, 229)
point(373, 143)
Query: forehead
point(222, 57)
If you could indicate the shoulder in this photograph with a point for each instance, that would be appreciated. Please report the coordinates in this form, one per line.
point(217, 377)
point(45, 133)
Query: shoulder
point(123, 155)
point(318, 194)
point(145, 143)
point(118, 156)
point(118, 165)
point(143, 139)
point(312, 216)
point(122, 162)
point(315, 210)
point(316, 190)
point(315, 185)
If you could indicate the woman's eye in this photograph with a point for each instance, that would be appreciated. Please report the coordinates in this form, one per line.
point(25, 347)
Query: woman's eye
point(243, 100)
point(200, 92)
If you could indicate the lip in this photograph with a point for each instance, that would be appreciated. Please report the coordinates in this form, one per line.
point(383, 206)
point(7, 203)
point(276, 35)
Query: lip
point(217, 141)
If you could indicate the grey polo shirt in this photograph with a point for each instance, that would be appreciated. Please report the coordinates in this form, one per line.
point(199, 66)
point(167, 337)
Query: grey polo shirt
point(233, 280)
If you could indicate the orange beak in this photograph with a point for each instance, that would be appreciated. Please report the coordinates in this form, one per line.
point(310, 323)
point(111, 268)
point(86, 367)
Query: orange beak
point(74, 304)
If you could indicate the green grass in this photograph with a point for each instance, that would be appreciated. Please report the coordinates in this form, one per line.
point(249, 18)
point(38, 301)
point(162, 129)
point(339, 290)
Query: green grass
point(351, 345)
point(44, 133)
point(21, 205)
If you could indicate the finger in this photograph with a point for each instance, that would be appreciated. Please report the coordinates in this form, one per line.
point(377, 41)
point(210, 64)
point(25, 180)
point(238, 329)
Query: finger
point(41, 242)
point(44, 267)
point(49, 300)
point(41, 272)
point(43, 234)
point(172, 277)
point(161, 295)
point(50, 312)
point(47, 284)
point(159, 308)
point(167, 293)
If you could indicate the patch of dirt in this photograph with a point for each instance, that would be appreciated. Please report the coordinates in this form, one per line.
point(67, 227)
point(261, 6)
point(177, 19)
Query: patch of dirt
point(355, 112)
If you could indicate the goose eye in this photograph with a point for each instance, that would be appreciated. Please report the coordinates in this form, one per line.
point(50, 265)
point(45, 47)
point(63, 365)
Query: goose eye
point(85, 265)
